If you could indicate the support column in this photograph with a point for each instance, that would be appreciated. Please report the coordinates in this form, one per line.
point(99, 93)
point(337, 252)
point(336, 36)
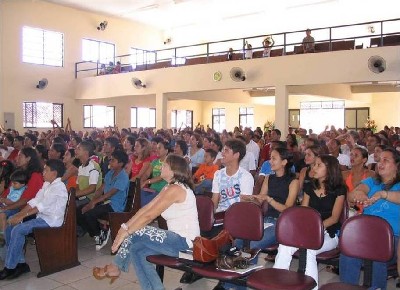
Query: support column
point(282, 109)
point(161, 111)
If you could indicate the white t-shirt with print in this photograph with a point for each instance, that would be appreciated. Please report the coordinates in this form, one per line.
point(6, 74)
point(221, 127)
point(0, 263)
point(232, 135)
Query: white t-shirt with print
point(231, 187)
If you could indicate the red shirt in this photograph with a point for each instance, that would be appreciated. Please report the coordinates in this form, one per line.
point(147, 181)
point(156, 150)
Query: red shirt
point(136, 167)
point(34, 184)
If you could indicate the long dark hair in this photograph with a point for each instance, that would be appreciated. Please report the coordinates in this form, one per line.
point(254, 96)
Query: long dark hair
point(396, 158)
point(284, 153)
point(6, 169)
point(334, 179)
point(34, 164)
point(181, 170)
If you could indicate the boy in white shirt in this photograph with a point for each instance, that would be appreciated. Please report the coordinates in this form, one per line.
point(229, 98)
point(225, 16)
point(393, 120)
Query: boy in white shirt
point(48, 206)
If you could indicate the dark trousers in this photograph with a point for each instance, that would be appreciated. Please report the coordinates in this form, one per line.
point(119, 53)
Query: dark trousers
point(88, 220)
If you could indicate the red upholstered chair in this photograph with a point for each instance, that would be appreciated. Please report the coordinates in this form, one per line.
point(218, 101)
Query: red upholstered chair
point(359, 238)
point(243, 220)
point(299, 227)
point(205, 209)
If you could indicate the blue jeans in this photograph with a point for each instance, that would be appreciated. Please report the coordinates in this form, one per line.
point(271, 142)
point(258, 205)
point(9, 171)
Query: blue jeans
point(145, 242)
point(268, 239)
point(15, 240)
point(350, 269)
point(147, 195)
point(205, 185)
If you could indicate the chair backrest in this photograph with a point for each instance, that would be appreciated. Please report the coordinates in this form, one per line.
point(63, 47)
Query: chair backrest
point(244, 220)
point(345, 212)
point(205, 210)
point(300, 227)
point(360, 236)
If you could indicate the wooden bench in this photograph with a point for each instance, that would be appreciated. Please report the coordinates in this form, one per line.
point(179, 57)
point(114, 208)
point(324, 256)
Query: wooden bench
point(196, 60)
point(57, 247)
point(161, 64)
point(343, 45)
point(322, 47)
point(390, 40)
point(276, 52)
point(218, 58)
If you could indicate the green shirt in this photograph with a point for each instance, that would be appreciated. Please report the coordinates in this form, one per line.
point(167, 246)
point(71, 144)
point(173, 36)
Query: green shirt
point(156, 166)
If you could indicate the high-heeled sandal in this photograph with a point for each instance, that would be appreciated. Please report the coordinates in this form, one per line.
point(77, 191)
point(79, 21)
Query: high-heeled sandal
point(101, 273)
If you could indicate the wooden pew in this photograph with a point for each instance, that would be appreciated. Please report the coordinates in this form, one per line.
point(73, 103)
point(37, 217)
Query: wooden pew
point(322, 47)
point(161, 64)
point(276, 52)
point(342, 45)
point(57, 248)
point(218, 58)
point(196, 60)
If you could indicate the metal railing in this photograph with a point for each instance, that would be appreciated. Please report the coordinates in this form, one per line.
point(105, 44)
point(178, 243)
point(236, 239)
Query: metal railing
point(360, 35)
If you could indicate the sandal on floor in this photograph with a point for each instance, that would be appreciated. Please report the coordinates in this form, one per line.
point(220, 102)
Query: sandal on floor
point(101, 273)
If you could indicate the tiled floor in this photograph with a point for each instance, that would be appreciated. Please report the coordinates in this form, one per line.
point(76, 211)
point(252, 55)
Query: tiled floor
point(81, 278)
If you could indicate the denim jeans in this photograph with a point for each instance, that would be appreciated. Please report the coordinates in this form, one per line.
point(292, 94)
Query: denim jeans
point(205, 185)
point(350, 269)
point(145, 242)
point(147, 195)
point(267, 240)
point(15, 240)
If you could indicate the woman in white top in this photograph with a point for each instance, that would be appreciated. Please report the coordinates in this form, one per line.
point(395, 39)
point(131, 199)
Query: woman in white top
point(136, 240)
point(196, 150)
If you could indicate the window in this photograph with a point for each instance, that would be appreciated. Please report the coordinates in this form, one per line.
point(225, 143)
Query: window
point(355, 118)
point(93, 50)
point(98, 116)
point(246, 117)
point(218, 119)
point(143, 117)
point(39, 115)
point(42, 47)
point(141, 57)
point(181, 119)
point(327, 113)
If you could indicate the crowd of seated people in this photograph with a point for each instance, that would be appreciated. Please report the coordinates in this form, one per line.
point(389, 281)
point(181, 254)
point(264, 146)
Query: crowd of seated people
point(308, 169)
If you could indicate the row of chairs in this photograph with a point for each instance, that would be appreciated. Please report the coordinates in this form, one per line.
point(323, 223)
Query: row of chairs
point(299, 227)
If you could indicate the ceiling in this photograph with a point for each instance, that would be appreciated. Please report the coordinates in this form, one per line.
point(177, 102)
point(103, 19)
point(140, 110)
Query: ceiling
point(210, 20)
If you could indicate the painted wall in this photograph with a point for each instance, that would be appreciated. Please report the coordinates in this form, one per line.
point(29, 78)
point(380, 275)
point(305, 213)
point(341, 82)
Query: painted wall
point(19, 80)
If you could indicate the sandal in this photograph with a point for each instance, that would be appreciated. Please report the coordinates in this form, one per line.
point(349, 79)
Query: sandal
point(101, 273)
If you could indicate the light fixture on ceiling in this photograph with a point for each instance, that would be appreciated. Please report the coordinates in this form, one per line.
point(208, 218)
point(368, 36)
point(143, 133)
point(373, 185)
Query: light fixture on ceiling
point(103, 25)
point(138, 84)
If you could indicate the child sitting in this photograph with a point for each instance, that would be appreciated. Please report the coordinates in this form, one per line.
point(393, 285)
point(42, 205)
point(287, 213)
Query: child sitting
point(204, 176)
point(18, 185)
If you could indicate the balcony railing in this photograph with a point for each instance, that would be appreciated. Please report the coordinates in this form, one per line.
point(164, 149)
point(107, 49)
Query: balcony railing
point(343, 37)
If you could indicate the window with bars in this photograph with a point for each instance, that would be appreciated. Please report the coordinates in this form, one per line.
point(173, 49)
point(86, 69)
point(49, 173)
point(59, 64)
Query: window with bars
point(246, 117)
point(94, 50)
point(98, 116)
point(218, 119)
point(39, 115)
point(181, 119)
point(143, 117)
point(42, 46)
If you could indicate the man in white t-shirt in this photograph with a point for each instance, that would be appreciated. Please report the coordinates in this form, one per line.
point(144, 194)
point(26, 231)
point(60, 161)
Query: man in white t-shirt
point(372, 141)
point(334, 147)
point(251, 146)
point(232, 181)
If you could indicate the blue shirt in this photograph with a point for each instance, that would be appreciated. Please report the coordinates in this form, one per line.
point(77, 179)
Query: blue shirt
point(121, 184)
point(387, 210)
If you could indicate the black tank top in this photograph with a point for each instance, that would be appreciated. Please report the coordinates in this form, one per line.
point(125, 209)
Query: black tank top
point(278, 189)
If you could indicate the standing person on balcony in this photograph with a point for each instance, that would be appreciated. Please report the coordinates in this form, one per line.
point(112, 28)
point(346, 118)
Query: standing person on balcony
point(268, 43)
point(308, 42)
point(248, 50)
